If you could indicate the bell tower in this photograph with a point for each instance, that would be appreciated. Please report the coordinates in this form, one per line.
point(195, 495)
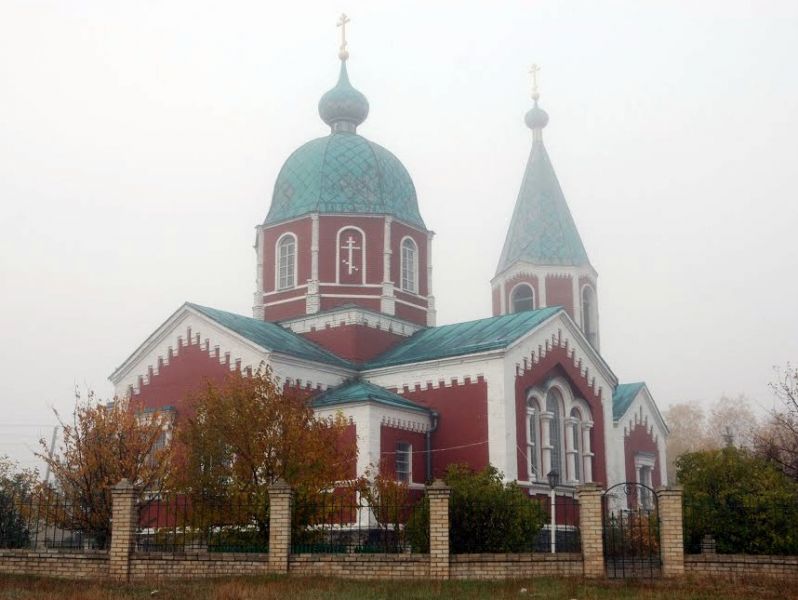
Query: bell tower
point(543, 261)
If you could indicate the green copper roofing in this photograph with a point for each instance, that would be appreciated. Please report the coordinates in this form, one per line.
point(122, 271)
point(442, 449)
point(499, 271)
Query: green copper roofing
point(542, 230)
point(463, 338)
point(623, 396)
point(271, 336)
point(363, 391)
point(344, 173)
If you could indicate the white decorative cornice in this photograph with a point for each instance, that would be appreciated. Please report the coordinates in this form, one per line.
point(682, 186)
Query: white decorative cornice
point(351, 315)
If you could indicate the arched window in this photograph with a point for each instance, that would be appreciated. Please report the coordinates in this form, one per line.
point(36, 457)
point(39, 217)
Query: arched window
point(286, 261)
point(532, 444)
point(589, 314)
point(575, 433)
point(522, 298)
point(553, 403)
point(409, 266)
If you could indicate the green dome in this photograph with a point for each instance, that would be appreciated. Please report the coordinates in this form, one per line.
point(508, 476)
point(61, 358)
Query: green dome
point(343, 103)
point(344, 173)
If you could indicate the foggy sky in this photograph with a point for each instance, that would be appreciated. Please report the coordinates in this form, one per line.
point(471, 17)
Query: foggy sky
point(139, 143)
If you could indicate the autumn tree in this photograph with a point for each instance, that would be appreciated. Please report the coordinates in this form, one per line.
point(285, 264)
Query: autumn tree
point(246, 433)
point(728, 421)
point(777, 440)
point(100, 445)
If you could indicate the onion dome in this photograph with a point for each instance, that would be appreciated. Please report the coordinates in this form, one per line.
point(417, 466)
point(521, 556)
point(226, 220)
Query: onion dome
point(344, 173)
point(343, 108)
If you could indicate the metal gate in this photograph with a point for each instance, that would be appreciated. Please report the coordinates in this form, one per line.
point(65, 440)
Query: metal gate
point(631, 531)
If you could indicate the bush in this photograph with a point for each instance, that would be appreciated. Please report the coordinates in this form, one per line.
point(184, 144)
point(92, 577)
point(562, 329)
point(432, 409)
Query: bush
point(746, 504)
point(485, 514)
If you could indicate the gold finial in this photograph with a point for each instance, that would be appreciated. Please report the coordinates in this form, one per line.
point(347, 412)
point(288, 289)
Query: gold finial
point(534, 70)
point(343, 53)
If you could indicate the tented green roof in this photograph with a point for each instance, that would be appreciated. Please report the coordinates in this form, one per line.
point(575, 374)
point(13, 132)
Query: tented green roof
point(363, 391)
point(542, 230)
point(463, 338)
point(271, 336)
point(623, 396)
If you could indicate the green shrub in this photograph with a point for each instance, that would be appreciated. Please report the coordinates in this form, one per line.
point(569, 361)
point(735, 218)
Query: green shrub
point(485, 514)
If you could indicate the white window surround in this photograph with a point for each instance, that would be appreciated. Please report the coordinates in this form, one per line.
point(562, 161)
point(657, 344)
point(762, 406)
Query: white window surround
point(285, 279)
point(517, 289)
point(340, 255)
point(572, 437)
point(644, 469)
point(408, 273)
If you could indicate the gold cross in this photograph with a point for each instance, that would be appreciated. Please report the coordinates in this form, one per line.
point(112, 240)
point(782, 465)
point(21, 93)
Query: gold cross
point(343, 53)
point(534, 70)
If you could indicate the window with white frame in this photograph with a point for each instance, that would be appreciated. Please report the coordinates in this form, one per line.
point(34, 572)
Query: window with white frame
point(522, 298)
point(409, 266)
point(532, 443)
point(286, 262)
point(404, 462)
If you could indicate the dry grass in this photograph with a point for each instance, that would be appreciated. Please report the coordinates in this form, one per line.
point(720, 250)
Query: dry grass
point(265, 588)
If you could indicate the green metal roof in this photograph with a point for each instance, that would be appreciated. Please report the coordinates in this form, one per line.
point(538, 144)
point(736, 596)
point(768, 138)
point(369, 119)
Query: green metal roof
point(463, 338)
point(623, 396)
point(542, 230)
point(363, 391)
point(271, 336)
point(344, 173)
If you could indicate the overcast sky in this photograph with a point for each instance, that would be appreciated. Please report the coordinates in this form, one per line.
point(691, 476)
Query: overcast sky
point(139, 143)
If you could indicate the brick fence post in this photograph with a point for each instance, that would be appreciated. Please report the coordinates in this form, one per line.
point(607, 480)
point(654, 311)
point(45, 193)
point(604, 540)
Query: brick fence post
point(591, 529)
point(281, 498)
point(671, 534)
point(123, 529)
point(438, 494)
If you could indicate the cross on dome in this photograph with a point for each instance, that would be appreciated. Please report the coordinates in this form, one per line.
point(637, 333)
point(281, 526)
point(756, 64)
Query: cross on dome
point(533, 71)
point(343, 53)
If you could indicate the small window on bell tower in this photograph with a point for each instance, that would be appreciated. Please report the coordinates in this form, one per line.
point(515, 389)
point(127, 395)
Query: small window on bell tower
point(522, 298)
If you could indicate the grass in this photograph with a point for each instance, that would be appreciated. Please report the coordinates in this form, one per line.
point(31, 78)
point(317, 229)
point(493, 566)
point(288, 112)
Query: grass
point(264, 588)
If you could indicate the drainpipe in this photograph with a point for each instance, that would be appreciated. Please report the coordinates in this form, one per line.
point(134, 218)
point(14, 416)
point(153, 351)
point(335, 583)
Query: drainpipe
point(435, 418)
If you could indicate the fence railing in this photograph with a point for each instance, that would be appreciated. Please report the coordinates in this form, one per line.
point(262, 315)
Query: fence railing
point(349, 522)
point(755, 525)
point(182, 523)
point(53, 522)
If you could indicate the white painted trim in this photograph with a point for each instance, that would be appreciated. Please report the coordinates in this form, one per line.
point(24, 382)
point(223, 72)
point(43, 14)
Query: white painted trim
point(350, 295)
point(351, 316)
point(338, 254)
point(298, 287)
point(314, 247)
point(276, 302)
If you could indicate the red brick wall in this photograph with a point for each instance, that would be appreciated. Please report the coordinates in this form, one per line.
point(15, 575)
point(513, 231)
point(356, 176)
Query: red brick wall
point(532, 280)
point(555, 363)
point(559, 292)
point(185, 374)
point(389, 437)
point(302, 228)
point(329, 226)
point(462, 434)
point(398, 232)
point(358, 343)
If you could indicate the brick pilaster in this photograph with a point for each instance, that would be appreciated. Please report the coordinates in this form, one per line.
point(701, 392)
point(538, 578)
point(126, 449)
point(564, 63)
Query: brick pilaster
point(281, 498)
point(591, 529)
point(671, 533)
point(123, 529)
point(438, 494)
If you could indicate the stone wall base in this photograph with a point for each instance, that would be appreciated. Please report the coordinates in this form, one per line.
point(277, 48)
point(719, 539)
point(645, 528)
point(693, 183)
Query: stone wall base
point(741, 564)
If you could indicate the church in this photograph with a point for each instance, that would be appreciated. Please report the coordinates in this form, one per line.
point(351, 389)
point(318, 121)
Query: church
point(344, 312)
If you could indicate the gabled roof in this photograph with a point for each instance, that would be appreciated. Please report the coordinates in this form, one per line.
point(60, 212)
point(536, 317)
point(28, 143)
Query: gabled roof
point(463, 338)
point(363, 391)
point(623, 396)
point(542, 230)
point(271, 336)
